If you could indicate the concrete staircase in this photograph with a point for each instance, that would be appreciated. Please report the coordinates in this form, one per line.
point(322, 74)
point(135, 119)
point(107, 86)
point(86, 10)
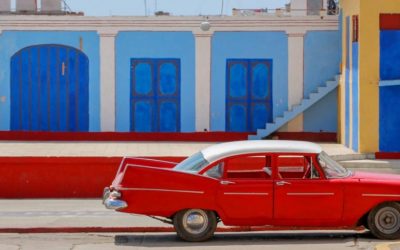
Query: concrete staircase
point(290, 114)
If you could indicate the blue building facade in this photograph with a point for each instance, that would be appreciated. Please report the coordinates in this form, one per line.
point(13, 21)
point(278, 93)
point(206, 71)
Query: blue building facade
point(51, 79)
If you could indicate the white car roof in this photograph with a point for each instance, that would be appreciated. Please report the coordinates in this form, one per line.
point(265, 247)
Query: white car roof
point(222, 150)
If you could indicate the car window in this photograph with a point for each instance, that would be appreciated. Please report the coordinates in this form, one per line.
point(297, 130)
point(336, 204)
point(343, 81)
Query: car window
point(248, 167)
point(331, 168)
point(216, 171)
point(192, 164)
point(296, 167)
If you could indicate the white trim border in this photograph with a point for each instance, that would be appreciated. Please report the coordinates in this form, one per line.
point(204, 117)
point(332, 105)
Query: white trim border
point(387, 83)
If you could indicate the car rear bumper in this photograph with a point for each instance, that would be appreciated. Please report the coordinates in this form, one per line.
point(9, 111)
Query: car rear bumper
point(111, 201)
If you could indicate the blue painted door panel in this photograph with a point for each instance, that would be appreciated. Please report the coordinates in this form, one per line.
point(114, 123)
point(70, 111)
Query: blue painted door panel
point(49, 89)
point(155, 95)
point(389, 133)
point(248, 94)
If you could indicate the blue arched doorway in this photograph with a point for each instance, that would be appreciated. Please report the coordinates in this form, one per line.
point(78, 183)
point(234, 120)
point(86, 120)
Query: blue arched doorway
point(49, 89)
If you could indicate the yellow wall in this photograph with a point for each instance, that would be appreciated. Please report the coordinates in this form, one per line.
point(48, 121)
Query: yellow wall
point(368, 11)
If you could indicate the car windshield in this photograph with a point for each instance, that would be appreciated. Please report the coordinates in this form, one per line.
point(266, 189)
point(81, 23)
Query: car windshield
point(331, 168)
point(192, 164)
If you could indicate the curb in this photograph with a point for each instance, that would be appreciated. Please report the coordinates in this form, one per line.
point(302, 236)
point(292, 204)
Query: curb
point(38, 230)
point(87, 230)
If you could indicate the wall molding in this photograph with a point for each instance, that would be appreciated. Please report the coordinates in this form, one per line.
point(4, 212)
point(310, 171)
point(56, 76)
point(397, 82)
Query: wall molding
point(171, 23)
point(386, 83)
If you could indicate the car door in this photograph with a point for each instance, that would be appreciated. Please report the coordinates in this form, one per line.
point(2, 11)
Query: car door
point(303, 196)
point(245, 194)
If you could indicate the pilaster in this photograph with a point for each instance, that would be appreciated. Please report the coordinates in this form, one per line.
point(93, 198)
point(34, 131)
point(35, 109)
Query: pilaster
point(107, 80)
point(295, 77)
point(203, 79)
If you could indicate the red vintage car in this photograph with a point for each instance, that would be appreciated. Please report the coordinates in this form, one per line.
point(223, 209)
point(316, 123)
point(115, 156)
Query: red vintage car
point(252, 183)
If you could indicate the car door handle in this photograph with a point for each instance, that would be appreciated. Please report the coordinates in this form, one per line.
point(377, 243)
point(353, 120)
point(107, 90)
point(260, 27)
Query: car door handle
point(227, 182)
point(281, 183)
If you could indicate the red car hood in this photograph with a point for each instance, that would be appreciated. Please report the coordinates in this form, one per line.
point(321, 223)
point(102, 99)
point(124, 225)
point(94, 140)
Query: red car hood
point(375, 176)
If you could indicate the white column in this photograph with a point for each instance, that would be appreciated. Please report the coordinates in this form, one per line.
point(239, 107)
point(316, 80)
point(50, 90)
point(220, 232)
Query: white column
point(295, 77)
point(107, 80)
point(203, 80)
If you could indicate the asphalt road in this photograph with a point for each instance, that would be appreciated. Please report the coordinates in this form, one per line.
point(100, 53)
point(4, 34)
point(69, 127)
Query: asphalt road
point(231, 241)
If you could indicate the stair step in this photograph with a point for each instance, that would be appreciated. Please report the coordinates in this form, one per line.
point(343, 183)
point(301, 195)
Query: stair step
point(269, 124)
point(305, 101)
point(331, 83)
point(313, 95)
point(321, 89)
point(279, 119)
point(295, 107)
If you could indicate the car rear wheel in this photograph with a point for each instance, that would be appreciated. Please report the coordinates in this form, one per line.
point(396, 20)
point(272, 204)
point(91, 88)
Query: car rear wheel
point(195, 224)
point(384, 221)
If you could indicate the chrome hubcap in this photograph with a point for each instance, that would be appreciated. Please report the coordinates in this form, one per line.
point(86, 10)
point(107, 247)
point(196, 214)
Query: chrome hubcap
point(387, 220)
point(195, 221)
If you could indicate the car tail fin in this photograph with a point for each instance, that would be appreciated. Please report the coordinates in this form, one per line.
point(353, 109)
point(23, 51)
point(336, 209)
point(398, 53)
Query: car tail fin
point(138, 161)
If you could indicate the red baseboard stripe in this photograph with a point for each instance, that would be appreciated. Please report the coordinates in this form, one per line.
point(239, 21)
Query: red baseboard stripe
point(387, 155)
point(307, 136)
point(183, 137)
point(121, 136)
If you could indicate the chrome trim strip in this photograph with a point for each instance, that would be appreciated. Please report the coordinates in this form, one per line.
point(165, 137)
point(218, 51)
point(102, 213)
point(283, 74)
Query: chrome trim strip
point(310, 194)
point(163, 190)
point(380, 195)
point(238, 193)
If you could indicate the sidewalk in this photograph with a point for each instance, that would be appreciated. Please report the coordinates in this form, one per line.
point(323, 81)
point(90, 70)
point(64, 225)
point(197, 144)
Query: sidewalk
point(113, 149)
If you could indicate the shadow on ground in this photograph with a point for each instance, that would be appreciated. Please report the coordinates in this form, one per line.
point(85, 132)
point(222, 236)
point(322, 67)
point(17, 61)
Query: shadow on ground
point(243, 239)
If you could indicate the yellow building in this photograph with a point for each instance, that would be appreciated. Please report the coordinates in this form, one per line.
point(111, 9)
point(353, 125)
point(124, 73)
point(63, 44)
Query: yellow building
point(370, 84)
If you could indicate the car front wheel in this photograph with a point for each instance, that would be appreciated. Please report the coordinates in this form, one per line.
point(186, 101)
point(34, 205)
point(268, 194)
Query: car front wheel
point(195, 224)
point(384, 221)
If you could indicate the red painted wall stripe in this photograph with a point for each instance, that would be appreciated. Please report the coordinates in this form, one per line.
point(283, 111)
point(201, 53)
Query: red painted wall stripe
point(390, 21)
point(387, 155)
point(131, 136)
point(307, 136)
point(58, 177)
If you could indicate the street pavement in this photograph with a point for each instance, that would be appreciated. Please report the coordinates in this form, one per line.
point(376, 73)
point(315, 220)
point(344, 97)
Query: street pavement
point(66, 213)
point(233, 241)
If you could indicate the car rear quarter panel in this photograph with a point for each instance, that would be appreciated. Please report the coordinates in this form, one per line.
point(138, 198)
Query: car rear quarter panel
point(163, 192)
point(362, 195)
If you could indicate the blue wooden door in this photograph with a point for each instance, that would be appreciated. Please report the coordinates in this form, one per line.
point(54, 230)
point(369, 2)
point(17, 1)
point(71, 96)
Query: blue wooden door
point(49, 89)
point(155, 95)
point(248, 94)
